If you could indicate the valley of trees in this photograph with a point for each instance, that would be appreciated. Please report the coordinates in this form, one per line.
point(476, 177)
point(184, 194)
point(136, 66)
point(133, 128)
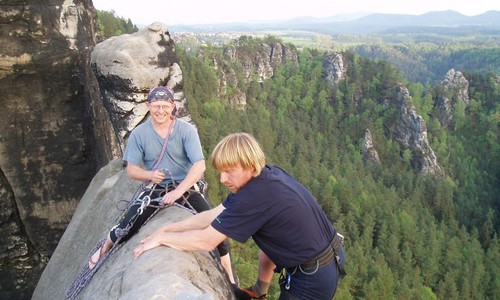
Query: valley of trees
point(421, 57)
point(408, 236)
point(427, 62)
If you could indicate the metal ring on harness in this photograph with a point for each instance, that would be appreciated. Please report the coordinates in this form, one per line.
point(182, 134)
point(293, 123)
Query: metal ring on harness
point(311, 273)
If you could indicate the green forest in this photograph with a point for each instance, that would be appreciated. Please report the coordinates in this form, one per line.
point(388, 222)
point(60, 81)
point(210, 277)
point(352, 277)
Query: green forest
point(408, 236)
point(427, 61)
point(112, 25)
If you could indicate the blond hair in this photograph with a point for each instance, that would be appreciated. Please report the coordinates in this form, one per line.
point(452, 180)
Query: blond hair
point(238, 148)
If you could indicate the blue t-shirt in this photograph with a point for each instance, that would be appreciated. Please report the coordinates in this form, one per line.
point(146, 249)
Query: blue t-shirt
point(144, 146)
point(281, 215)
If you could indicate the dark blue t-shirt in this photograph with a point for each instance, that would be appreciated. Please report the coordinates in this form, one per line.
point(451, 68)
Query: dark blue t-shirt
point(281, 215)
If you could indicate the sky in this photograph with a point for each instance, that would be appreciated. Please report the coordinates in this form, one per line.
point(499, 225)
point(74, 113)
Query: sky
point(188, 12)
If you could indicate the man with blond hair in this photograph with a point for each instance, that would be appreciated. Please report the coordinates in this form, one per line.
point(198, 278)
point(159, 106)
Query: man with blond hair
point(294, 235)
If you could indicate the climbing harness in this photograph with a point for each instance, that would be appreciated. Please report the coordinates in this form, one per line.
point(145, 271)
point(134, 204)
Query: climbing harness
point(331, 252)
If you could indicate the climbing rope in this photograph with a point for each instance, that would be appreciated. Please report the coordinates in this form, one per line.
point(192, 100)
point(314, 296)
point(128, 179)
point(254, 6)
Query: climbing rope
point(85, 275)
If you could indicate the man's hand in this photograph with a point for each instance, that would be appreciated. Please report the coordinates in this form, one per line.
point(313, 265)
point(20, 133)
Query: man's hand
point(171, 197)
point(246, 294)
point(148, 243)
point(157, 176)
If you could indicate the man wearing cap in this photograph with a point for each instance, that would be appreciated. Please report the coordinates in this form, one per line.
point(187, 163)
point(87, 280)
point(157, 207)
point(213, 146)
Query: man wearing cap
point(165, 151)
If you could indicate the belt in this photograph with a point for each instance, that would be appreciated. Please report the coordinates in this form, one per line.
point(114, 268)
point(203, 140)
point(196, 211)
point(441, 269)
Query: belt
point(326, 256)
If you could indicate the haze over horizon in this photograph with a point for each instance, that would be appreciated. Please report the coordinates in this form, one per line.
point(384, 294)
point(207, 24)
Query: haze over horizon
point(190, 12)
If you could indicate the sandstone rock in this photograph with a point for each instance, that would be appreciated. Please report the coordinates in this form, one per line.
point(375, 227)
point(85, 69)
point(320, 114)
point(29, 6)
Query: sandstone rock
point(128, 66)
point(411, 133)
point(162, 273)
point(335, 69)
point(370, 154)
point(48, 146)
point(258, 64)
point(455, 88)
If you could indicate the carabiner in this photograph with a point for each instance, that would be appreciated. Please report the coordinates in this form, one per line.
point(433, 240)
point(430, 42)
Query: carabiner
point(288, 279)
point(145, 202)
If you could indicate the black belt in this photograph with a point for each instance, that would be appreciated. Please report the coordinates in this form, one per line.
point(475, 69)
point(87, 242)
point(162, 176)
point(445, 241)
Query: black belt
point(326, 256)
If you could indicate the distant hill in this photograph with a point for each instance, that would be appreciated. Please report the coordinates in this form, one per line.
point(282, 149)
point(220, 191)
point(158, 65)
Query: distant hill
point(424, 47)
point(488, 22)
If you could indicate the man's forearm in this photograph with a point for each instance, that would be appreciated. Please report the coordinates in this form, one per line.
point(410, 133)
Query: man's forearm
point(193, 240)
point(138, 173)
point(193, 176)
point(195, 222)
point(266, 267)
point(199, 221)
